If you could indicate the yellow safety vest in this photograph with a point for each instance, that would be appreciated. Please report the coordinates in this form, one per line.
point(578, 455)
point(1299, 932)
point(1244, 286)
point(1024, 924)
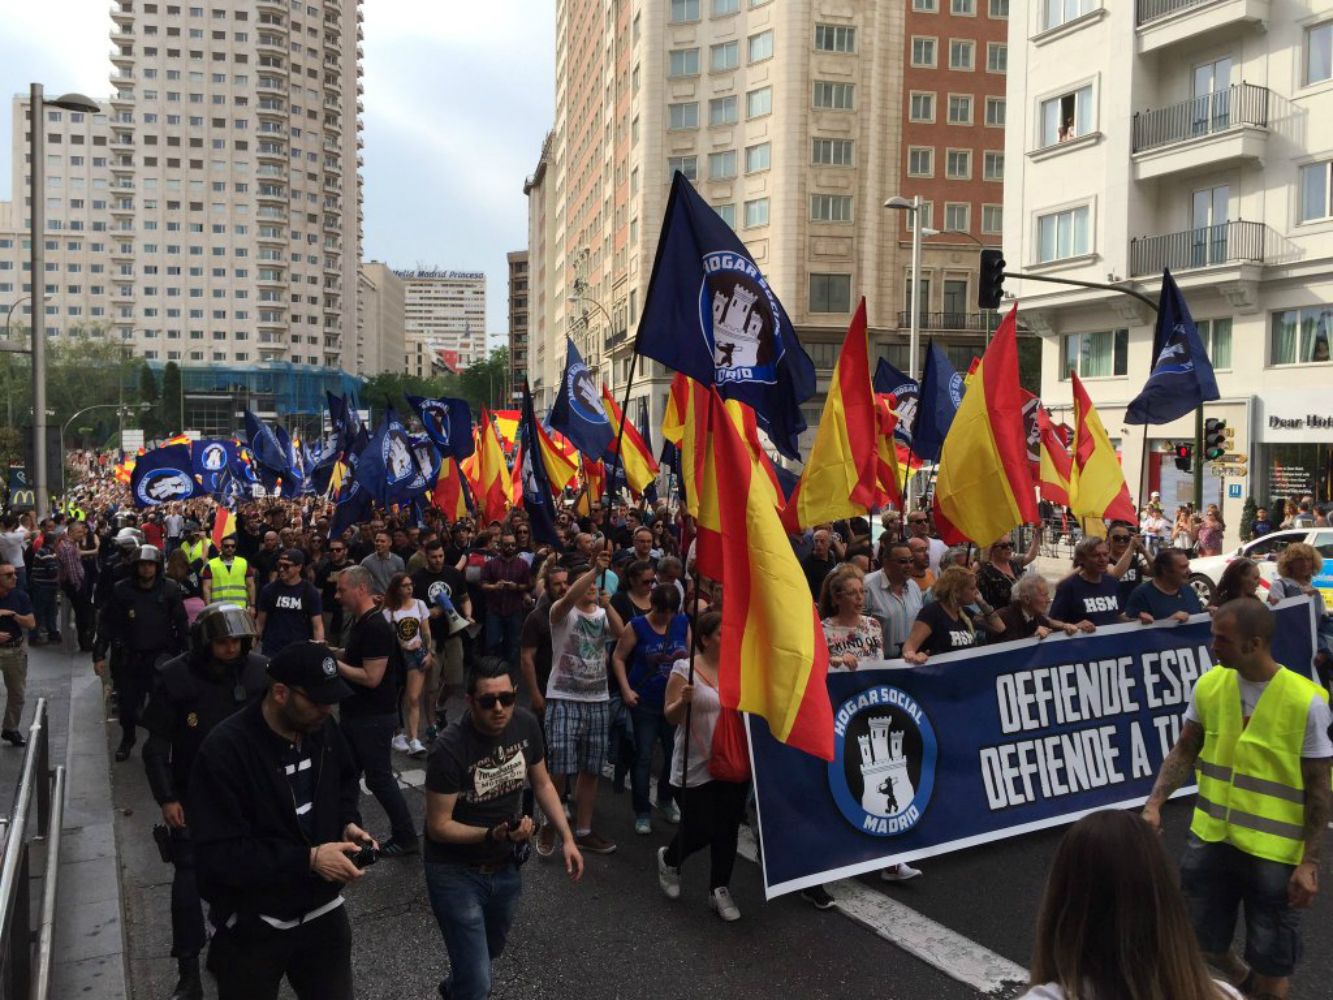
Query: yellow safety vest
point(1251, 794)
point(228, 582)
point(196, 551)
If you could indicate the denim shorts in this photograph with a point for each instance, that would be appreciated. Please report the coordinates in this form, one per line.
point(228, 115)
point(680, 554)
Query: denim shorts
point(1217, 880)
point(576, 733)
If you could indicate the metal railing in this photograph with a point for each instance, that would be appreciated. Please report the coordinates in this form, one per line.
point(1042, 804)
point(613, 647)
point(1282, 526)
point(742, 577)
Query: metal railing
point(1207, 114)
point(977, 322)
point(1151, 10)
point(25, 952)
point(1224, 243)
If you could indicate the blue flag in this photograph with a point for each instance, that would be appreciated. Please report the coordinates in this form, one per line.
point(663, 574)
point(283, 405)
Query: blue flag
point(448, 423)
point(353, 507)
point(889, 379)
point(293, 480)
point(216, 462)
point(388, 470)
point(163, 475)
point(1182, 377)
point(941, 393)
point(578, 413)
point(265, 446)
point(536, 484)
point(710, 314)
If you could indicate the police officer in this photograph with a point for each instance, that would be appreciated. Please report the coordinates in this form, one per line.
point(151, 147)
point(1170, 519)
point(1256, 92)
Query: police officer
point(144, 620)
point(192, 694)
point(117, 560)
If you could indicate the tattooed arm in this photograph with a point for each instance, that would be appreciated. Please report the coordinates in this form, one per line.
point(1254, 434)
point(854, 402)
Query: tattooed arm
point(1304, 882)
point(1176, 770)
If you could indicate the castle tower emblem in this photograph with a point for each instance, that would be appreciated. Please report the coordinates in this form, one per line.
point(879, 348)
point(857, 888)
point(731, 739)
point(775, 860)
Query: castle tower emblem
point(886, 785)
point(738, 328)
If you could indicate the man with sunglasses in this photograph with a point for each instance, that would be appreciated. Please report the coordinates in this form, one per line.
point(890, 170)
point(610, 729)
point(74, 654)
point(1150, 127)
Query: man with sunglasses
point(326, 581)
point(290, 609)
point(892, 597)
point(918, 526)
point(16, 620)
point(1121, 539)
point(476, 836)
point(228, 577)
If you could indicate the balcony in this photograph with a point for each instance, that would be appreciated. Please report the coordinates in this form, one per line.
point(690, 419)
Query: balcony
point(1207, 246)
point(955, 322)
point(1225, 128)
point(1163, 23)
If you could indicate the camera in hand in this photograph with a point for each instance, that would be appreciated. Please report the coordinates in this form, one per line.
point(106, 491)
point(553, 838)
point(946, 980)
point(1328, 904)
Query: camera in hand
point(365, 857)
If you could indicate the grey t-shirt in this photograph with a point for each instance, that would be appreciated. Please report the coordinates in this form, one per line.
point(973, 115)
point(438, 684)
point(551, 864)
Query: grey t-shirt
point(1317, 743)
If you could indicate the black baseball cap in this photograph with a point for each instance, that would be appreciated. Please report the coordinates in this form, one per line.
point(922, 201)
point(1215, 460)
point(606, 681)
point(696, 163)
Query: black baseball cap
point(294, 556)
point(311, 667)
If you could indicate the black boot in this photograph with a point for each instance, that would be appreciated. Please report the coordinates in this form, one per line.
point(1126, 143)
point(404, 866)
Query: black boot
point(189, 986)
point(126, 745)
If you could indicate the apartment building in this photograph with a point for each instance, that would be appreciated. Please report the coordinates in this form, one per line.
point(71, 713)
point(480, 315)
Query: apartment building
point(518, 319)
point(1194, 136)
point(793, 120)
point(445, 312)
point(381, 322)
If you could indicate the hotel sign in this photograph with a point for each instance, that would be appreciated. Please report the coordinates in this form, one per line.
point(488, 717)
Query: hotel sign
point(1296, 416)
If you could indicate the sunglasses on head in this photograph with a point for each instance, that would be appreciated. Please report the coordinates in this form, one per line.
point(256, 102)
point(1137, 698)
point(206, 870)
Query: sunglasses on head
point(489, 701)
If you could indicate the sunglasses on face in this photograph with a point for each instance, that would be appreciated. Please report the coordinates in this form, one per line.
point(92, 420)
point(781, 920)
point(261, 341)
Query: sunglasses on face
point(1119, 538)
point(505, 698)
point(1003, 545)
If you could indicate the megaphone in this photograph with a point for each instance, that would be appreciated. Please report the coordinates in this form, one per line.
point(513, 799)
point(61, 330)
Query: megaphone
point(457, 623)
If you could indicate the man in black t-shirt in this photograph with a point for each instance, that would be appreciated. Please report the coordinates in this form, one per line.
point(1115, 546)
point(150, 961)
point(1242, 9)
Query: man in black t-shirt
point(474, 830)
point(444, 677)
point(326, 580)
point(534, 645)
point(370, 664)
point(290, 609)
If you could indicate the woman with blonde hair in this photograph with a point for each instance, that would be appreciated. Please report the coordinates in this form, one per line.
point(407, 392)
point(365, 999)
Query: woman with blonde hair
point(1297, 566)
point(1113, 924)
point(851, 636)
point(944, 624)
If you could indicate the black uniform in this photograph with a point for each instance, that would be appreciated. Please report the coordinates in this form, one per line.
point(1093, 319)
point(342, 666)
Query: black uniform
point(138, 626)
point(191, 694)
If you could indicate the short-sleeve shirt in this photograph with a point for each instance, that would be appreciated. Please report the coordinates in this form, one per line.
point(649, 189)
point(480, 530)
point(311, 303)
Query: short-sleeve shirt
point(1077, 600)
point(11, 633)
point(488, 774)
point(1148, 597)
point(536, 635)
point(946, 634)
point(1316, 744)
point(1135, 573)
point(864, 640)
point(288, 609)
point(430, 586)
point(578, 656)
point(370, 638)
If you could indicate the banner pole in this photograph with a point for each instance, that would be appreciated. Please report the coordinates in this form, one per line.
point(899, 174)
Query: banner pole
point(1143, 474)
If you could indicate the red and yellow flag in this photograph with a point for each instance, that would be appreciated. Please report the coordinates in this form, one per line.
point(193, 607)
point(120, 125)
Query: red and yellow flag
point(594, 478)
point(494, 487)
point(224, 524)
point(774, 658)
point(559, 457)
point(984, 487)
point(639, 464)
point(1054, 469)
point(841, 476)
point(448, 495)
point(888, 465)
point(1097, 490)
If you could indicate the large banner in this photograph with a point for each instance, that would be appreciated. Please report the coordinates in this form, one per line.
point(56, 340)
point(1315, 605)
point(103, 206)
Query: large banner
point(985, 744)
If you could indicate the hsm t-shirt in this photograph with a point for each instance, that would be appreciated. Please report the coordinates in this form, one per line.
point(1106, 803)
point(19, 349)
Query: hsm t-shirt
point(1077, 600)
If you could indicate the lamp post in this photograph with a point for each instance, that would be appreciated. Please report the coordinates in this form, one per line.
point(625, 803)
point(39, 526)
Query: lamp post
point(577, 296)
point(11, 347)
point(901, 204)
point(143, 407)
point(37, 105)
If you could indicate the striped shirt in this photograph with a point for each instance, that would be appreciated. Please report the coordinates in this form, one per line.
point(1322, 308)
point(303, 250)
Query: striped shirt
point(894, 612)
point(298, 767)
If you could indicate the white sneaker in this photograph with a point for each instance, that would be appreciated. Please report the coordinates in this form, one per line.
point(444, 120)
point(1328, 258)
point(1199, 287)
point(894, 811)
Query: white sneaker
point(899, 873)
point(669, 878)
point(721, 903)
point(671, 811)
point(399, 743)
point(416, 748)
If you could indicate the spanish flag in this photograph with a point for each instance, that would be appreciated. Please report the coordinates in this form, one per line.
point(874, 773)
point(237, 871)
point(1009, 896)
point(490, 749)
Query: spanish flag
point(178, 439)
point(516, 476)
point(561, 460)
point(449, 495)
point(1097, 490)
point(594, 478)
point(678, 419)
point(224, 524)
point(1054, 469)
point(494, 490)
point(640, 466)
point(888, 465)
point(774, 658)
point(841, 476)
point(984, 486)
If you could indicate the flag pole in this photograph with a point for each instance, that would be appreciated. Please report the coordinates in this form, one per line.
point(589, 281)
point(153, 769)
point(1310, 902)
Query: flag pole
point(1143, 472)
point(689, 708)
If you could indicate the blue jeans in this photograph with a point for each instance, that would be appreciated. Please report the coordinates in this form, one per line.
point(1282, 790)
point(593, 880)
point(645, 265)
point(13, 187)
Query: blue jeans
point(475, 912)
point(650, 727)
point(502, 635)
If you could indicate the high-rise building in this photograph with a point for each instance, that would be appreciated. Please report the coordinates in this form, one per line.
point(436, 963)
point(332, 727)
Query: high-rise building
point(792, 119)
point(518, 319)
point(235, 199)
point(381, 321)
point(1183, 136)
point(446, 312)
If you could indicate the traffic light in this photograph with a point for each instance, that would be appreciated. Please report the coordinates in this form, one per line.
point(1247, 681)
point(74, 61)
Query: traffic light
point(990, 287)
point(1184, 457)
point(1214, 438)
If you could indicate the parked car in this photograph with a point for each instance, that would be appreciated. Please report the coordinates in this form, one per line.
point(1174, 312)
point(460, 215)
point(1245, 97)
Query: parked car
point(1205, 572)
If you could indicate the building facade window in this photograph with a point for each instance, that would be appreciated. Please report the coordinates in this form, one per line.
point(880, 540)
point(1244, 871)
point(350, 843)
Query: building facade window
point(992, 165)
point(1216, 337)
point(958, 164)
point(1058, 12)
point(721, 8)
point(963, 8)
point(921, 161)
point(830, 208)
point(1064, 234)
point(723, 111)
point(683, 62)
point(684, 115)
point(1095, 355)
point(962, 54)
point(921, 106)
point(995, 110)
point(724, 57)
point(684, 10)
point(759, 157)
point(992, 218)
point(759, 102)
point(1066, 117)
point(834, 96)
point(830, 293)
point(960, 109)
point(687, 165)
point(997, 57)
point(760, 46)
point(958, 216)
point(727, 213)
point(923, 51)
point(927, 213)
point(1319, 53)
point(926, 6)
point(832, 153)
point(998, 9)
point(722, 166)
point(1316, 200)
point(756, 212)
point(835, 38)
point(1301, 336)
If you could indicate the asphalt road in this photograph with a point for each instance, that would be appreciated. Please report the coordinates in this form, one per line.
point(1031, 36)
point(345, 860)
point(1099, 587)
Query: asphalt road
point(614, 935)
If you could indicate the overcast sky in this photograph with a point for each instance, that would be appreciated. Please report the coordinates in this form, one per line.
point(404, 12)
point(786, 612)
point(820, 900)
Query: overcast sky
point(458, 98)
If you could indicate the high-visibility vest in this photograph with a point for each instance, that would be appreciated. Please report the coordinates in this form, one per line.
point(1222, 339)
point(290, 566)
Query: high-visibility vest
point(195, 551)
point(228, 582)
point(1251, 794)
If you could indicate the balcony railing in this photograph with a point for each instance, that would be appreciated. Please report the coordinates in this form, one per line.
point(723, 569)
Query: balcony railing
point(1206, 246)
point(1207, 114)
point(1151, 10)
point(981, 322)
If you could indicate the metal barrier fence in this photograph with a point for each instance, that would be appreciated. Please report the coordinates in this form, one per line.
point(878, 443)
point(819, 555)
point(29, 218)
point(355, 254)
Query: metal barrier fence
point(25, 951)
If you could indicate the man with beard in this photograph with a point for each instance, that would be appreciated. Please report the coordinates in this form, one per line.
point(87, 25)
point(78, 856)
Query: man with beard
point(326, 581)
point(434, 584)
point(193, 693)
point(144, 621)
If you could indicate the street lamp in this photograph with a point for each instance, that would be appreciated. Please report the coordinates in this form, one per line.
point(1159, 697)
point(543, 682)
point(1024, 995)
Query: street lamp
point(11, 347)
point(37, 105)
point(143, 408)
point(577, 296)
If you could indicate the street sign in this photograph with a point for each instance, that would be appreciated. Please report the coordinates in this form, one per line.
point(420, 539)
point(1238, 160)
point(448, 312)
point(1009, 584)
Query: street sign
point(1234, 458)
point(1234, 491)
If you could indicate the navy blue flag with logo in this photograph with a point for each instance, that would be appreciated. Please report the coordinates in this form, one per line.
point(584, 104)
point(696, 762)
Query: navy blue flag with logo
point(941, 393)
point(265, 446)
point(448, 422)
point(710, 314)
point(388, 469)
point(578, 413)
point(907, 391)
point(293, 480)
point(218, 468)
point(353, 507)
point(163, 475)
point(536, 484)
point(1182, 377)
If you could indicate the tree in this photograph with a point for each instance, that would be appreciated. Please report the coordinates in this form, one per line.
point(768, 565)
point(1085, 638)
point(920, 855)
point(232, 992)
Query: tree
point(1029, 364)
point(149, 420)
point(485, 382)
point(173, 403)
point(1247, 519)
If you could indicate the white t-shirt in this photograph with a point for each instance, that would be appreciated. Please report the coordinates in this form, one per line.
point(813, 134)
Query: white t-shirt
point(409, 623)
point(703, 721)
point(937, 550)
point(11, 546)
point(578, 656)
point(1316, 745)
point(1052, 991)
